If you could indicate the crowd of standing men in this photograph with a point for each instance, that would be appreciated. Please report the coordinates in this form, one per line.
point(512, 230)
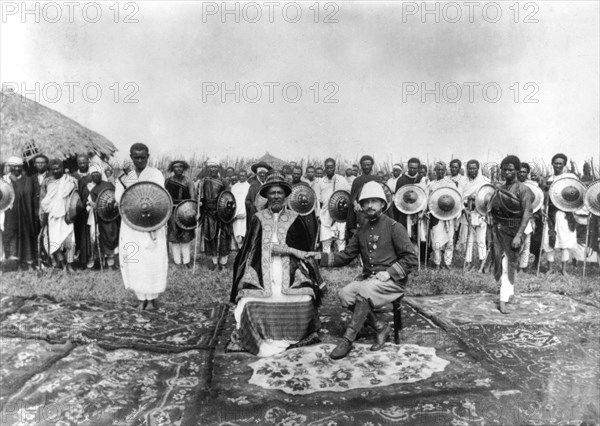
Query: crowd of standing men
point(41, 227)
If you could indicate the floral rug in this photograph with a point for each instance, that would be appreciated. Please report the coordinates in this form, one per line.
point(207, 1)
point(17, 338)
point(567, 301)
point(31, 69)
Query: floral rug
point(307, 370)
point(532, 308)
point(168, 329)
point(95, 386)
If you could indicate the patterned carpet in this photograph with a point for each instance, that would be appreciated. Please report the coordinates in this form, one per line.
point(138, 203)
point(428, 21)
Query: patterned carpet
point(95, 386)
point(535, 308)
point(111, 326)
point(538, 365)
point(460, 362)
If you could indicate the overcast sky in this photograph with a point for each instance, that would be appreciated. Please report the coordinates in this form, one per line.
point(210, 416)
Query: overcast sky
point(361, 77)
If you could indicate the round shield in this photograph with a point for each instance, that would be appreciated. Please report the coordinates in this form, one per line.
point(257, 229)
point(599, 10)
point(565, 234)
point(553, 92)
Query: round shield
point(482, 198)
point(567, 193)
point(226, 206)
point(75, 205)
point(445, 203)
point(302, 199)
point(145, 206)
point(410, 199)
point(389, 195)
point(260, 202)
point(106, 208)
point(591, 198)
point(185, 214)
point(338, 205)
point(538, 195)
point(7, 195)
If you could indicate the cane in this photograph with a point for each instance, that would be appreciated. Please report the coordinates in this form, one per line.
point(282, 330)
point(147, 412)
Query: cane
point(587, 235)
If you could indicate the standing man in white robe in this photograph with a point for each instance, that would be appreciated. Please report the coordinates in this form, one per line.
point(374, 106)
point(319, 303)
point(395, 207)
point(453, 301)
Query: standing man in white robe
point(59, 237)
point(143, 255)
point(240, 192)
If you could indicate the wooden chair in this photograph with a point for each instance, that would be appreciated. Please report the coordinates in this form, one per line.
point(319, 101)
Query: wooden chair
point(396, 311)
point(397, 318)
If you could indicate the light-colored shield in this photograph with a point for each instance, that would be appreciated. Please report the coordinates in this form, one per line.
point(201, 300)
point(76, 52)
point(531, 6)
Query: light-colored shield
point(389, 195)
point(410, 199)
point(482, 198)
point(567, 194)
point(445, 203)
point(538, 196)
point(591, 198)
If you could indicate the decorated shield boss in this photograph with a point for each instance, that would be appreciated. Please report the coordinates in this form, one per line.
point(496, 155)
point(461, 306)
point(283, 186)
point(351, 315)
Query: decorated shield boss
point(145, 206)
point(226, 206)
point(106, 208)
point(338, 205)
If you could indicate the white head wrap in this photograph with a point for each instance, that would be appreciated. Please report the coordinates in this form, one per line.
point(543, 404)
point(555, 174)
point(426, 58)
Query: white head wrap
point(397, 167)
point(14, 161)
point(212, 162)
point(94, 168)
point(261, 169)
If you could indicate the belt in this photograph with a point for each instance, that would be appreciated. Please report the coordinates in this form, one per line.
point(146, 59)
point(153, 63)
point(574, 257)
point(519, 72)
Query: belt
point(508, 221)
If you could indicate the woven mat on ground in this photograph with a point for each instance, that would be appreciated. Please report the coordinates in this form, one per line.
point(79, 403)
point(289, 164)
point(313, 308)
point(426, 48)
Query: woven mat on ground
point(22, 359)
point(168, 329)
point(428, 379)
point(95, 386)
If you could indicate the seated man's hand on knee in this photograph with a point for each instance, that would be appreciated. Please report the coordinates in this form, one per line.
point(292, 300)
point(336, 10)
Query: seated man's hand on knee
point(382, 276)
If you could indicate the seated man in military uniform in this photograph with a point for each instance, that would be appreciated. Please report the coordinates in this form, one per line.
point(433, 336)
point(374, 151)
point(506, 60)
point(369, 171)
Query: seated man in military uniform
point(388, 257)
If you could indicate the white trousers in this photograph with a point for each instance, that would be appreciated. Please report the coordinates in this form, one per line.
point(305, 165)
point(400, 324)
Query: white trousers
point(181, 252)
point(476, 239)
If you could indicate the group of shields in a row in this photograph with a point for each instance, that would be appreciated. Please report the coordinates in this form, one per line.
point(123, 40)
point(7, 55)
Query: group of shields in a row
point(147, 206)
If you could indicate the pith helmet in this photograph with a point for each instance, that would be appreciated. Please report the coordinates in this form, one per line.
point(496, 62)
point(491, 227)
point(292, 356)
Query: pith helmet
point(373, 190)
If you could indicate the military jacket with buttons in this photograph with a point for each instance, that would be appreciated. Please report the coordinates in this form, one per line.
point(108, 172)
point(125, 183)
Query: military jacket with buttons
point(383, 245)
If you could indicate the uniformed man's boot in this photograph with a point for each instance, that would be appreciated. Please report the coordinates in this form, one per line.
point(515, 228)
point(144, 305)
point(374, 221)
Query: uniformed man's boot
point(359, 316)
point(382, 328)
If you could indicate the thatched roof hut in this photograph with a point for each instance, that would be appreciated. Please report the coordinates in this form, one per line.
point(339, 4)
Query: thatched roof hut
point(274, 162)
point(28, 128)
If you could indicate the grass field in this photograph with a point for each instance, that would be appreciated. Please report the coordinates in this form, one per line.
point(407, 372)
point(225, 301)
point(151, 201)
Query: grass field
point(205, 286)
